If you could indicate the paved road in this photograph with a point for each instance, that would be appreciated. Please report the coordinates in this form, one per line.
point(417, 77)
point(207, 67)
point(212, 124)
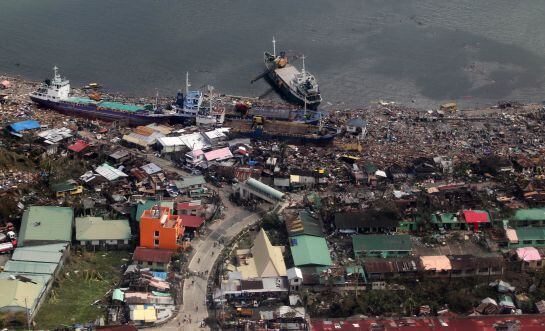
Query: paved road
point(205, 255)
point(194, 292)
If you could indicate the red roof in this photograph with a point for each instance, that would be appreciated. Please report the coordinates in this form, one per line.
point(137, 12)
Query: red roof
point(476, 216)
point(190, 221)
point(79, 146)
point(143, 254)
point(474, 323)
point(188, 206)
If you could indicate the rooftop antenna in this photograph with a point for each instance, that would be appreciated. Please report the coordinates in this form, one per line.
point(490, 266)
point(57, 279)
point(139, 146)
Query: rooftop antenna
point(274, 47)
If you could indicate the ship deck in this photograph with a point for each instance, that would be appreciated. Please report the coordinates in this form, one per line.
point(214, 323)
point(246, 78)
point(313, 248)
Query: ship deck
point(106, 104)
point(275, 127)
point(288, 73)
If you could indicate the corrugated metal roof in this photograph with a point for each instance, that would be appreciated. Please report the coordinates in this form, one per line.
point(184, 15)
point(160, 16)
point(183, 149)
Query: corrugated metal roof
point(381, 242)
point(151, 168)
point(218, 154)
point(16, 293)
point(109, 172)
point(266, 188)
point(309, 250)
point(531, 233)
point(189, 181)
point(30, 267)
point(36, 256)
point(79, 146)
point(152, 255)
point(96, 228)
point(532, 214)
point(46, 223)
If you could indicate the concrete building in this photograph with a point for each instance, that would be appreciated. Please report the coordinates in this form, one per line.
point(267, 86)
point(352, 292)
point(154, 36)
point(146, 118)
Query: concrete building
point(159, 228)
point(154, 259)
point(371, 245)
point(96, 232)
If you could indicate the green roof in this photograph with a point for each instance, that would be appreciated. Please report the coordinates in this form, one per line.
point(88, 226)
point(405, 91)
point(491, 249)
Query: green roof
point(117, 294)
point(96, 228)
point(530, 233)
point(265, 188)
point(46, 223)
point(141, 207)
point(189, 181)
point(532, 214)
point(444, 218)
point(30, 267)
point(309, 250)
point(120, 106)
point(381, 242)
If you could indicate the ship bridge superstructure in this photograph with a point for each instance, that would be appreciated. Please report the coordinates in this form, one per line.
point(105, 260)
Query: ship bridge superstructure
point(55, 90)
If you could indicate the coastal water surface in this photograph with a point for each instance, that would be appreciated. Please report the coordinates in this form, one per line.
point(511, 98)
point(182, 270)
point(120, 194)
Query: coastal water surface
point(421, 52)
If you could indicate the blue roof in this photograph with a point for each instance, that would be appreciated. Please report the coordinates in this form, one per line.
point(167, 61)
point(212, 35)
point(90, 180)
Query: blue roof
point(25, 125)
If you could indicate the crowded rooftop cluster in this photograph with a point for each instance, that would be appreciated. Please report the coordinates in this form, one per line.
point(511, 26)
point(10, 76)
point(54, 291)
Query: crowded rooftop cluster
point(384, 202)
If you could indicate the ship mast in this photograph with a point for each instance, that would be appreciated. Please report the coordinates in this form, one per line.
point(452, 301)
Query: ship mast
point(187, 83)
point(274, 47)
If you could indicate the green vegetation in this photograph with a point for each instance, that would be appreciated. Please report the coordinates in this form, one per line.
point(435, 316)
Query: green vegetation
point(85, 279)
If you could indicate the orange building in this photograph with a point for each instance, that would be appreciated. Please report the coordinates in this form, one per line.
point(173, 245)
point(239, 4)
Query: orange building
point(159, 228)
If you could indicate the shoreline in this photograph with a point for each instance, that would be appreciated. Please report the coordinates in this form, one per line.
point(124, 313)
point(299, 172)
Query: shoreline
point(426, 104)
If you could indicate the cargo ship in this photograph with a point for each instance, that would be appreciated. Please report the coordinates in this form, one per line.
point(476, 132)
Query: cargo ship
point(193, 107)
point(296, 86)
point(56, 94)
point(296, 133)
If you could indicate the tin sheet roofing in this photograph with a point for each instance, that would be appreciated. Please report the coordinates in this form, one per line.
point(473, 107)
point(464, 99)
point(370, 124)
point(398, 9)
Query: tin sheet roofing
point(79, 146)
point(476, 216)
point(109, 172)
point(152, 255)
point(96, 228)
point(46, 223)
point(309, 250)
point(16, 293)
point(532, 214)
point(218, 154)
point(28, 267)
point(381, 242)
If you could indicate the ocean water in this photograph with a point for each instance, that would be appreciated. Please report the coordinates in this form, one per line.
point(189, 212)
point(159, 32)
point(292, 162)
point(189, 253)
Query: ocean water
point(420, 52)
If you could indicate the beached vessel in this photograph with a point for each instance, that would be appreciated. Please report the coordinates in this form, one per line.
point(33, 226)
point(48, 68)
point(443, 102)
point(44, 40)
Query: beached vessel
point(56, 94)
point(292, 132)
point(296, 86)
